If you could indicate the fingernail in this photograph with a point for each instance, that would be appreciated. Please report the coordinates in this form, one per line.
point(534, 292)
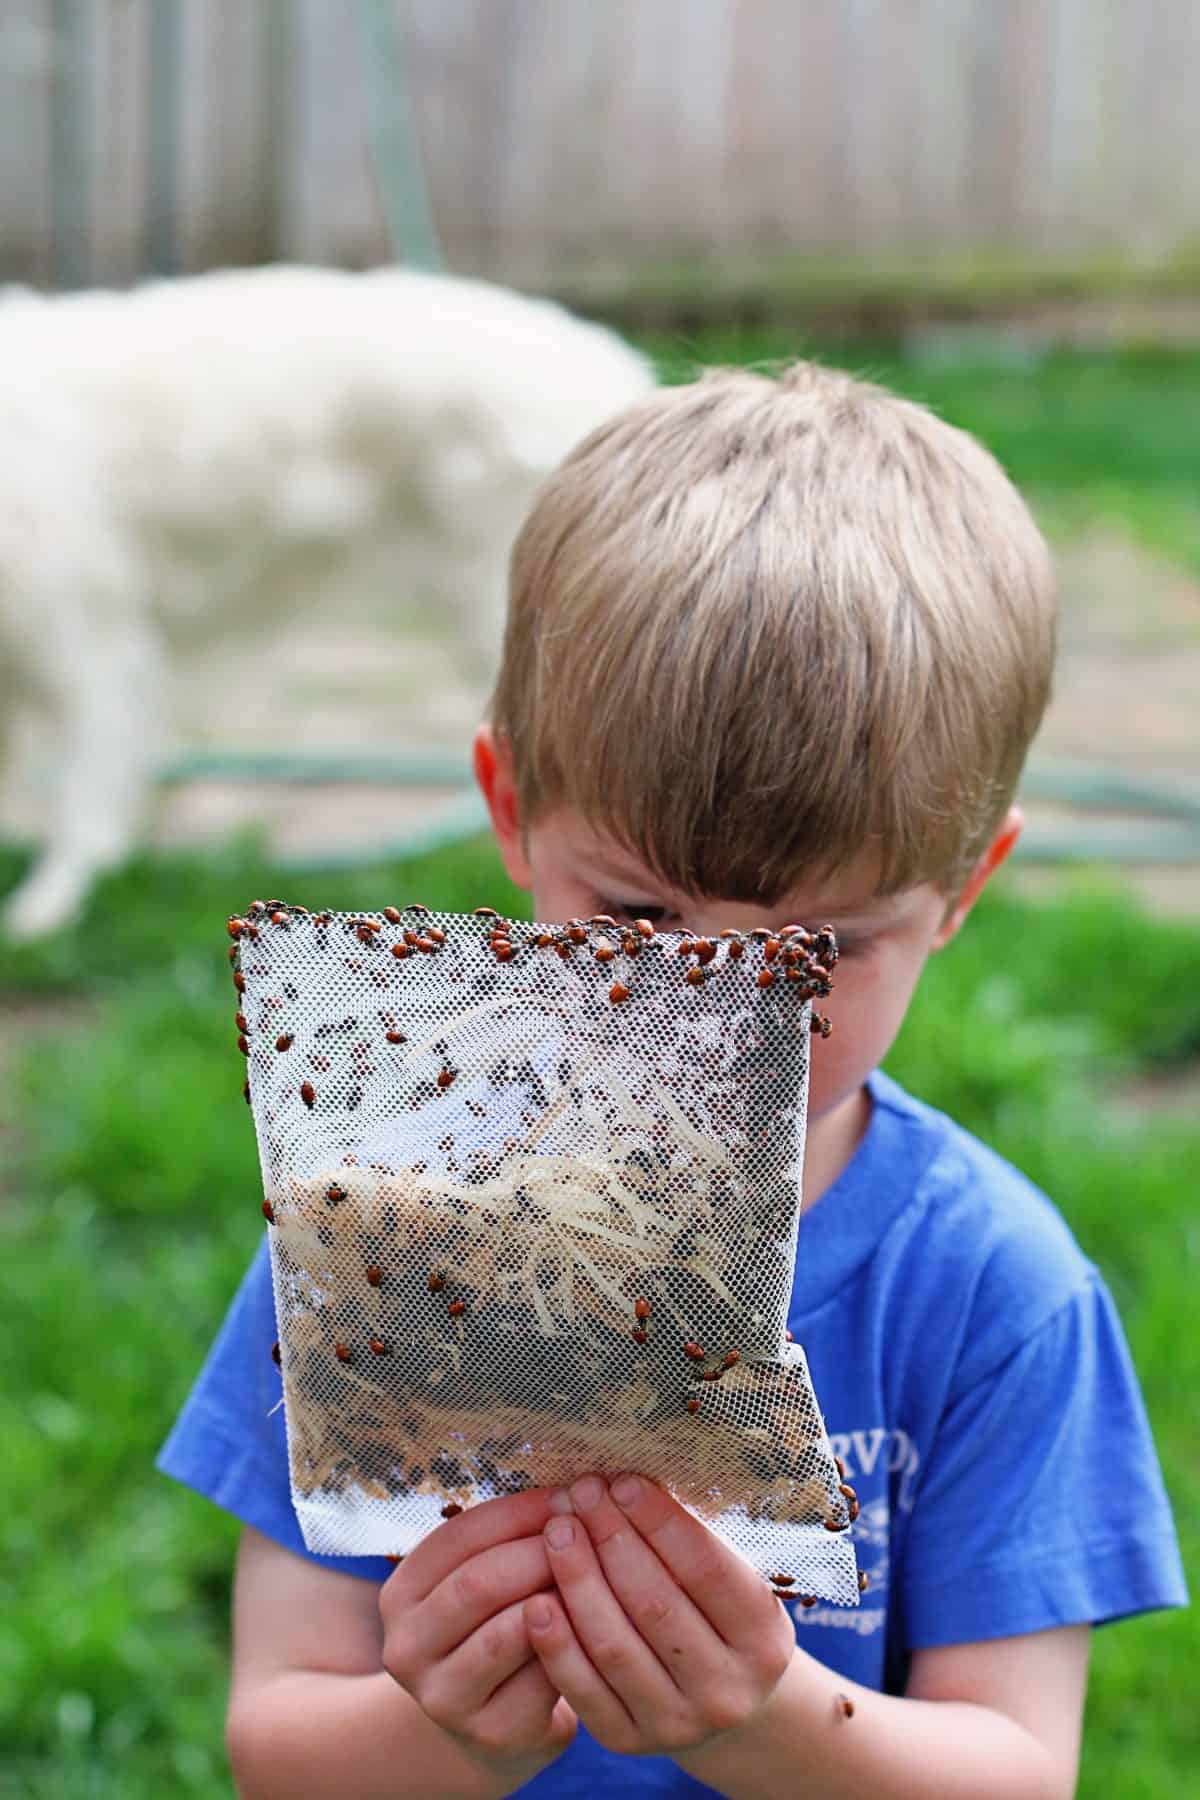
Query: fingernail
point(537, 1612)
point(560, 1534)
point(626, 1490)
point(587, 1492)
point(560, 1501)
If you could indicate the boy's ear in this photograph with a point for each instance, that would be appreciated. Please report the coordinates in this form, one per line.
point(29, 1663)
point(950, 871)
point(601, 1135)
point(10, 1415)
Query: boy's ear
point(494, 773)
point(977, 880)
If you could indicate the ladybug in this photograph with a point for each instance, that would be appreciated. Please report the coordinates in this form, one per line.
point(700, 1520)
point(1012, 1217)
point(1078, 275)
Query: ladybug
point(375, 1275)
point(640, 1335)
point(486, 912)
point(396, 1037)
point(308, 1094)
point(603, 951)
point(377, 1346)
point(284, 1041)
point(845, 1706)
point(342, 1352)
point(736, 949)
point(730, 1358)
point(771, 949)
point(502, 950)
point(243, 1045)
point(641, 1308)
point(239, 1020)
point(784, 1580)
point(276, 1355)
point(451, 1510)
point(446, 1076)
point(392, 914)
point(864, 1581)
point(643, 927)
point(618, 993)
point(334, 1194)
point(695, 976)
point(268, 1212)
point(693, 1351)
point(400, 951)
point(239, 981)
point(437, 1281)
point(765, 977)
point(437, 934)
point(457, 1308)
point(692, 1404)
point(577, 932)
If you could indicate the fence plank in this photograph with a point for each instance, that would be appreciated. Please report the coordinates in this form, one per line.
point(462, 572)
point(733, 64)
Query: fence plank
point(559, 135)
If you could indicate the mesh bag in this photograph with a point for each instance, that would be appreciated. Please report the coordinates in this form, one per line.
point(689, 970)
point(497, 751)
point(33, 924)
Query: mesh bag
point(532, 1197)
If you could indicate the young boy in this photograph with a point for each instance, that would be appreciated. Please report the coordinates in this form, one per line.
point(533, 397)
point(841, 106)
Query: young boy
point(776, 651)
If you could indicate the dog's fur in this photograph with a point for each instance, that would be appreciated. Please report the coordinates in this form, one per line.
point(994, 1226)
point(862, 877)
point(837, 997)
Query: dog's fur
point(191, 456)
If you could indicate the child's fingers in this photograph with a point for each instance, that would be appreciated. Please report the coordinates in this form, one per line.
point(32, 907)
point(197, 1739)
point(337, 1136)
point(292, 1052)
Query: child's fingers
point(526, 1713)
point(670, 1622)
point(491, 1522)
point(724, 1588)
point(612, 1645)
point(466, 1681)
point(573, 1674)
point(470, 1594)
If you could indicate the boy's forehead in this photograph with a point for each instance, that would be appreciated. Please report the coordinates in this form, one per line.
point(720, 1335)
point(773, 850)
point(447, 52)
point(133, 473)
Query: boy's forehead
point(848, 896)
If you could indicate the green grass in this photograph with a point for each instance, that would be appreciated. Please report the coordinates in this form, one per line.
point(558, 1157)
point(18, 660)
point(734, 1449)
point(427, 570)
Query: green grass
point(131, 1212)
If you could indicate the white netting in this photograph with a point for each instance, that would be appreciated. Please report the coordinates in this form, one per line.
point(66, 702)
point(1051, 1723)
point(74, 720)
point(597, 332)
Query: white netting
point(533, 1195)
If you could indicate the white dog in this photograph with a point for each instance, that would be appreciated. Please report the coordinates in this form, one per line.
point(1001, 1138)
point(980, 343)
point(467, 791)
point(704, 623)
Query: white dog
point(192, 455)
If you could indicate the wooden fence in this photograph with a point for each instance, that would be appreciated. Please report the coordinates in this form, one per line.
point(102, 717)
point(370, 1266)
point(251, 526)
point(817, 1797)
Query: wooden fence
point(567, 136)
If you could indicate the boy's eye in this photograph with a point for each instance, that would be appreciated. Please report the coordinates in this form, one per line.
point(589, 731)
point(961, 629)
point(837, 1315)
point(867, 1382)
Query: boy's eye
point(634, 909)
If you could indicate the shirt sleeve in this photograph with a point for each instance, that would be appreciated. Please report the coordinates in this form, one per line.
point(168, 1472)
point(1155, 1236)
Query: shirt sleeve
point(1042, 1502)
point(230, 1443)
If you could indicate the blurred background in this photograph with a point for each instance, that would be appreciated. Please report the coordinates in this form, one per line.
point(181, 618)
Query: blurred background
point(992, 207)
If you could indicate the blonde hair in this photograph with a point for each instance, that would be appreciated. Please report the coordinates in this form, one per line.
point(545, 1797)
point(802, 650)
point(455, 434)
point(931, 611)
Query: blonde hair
point(760, 627)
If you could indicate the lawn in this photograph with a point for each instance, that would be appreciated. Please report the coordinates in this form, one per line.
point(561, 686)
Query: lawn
point(130, 1182)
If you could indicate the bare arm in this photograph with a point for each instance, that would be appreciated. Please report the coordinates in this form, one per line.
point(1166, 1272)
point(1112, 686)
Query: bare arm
point(988, 1721)
point(313, 1710)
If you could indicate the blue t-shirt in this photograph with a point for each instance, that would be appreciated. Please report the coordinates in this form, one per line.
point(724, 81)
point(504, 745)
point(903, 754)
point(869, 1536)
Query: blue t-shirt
point(973, 1376)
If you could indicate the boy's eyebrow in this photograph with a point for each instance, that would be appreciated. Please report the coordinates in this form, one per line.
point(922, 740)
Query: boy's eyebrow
point(850, 918)
point(610, 874)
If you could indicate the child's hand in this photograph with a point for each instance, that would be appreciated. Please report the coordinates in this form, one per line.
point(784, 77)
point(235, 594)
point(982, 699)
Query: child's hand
point(455, 1637)
point(708, 1641)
